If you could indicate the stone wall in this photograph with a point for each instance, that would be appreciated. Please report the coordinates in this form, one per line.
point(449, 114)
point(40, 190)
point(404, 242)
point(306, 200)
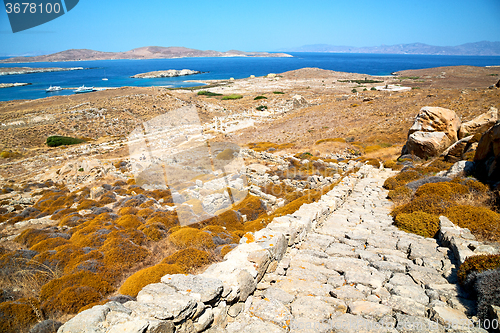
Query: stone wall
point(195, 303)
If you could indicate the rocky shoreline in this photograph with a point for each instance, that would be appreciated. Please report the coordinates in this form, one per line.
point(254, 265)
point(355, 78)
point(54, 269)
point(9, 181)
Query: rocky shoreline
point(29, 70)
point(167, 73)
point(10, 85)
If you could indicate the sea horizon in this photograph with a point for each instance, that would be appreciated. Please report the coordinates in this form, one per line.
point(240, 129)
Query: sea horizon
point(118, 71)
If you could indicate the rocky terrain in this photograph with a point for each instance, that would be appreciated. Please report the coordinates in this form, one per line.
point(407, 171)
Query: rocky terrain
point(30, 70)
point(264, 178)
point(148, 52)
point(167, 73)
point(9, 85)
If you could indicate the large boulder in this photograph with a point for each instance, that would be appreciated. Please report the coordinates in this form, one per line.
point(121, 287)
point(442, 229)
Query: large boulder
point(487, 157)
point(456, 151)
point(479, 124)
point(426, 144)
point(436, 119)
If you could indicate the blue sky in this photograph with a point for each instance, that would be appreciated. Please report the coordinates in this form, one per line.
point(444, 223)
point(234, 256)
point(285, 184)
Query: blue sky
point(257, 25)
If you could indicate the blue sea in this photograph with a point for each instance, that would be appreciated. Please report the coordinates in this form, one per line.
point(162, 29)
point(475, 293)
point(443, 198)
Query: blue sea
point(118, 72)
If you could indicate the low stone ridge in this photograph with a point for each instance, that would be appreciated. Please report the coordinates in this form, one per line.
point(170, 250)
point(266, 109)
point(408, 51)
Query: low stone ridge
point(338, 264)
point(167, 73)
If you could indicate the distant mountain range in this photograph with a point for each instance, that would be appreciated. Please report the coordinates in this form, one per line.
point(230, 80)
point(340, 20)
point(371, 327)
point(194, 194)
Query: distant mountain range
point(483, 48)
point(148, 52)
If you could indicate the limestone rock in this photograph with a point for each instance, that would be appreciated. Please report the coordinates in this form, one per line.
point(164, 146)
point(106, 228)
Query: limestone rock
point(479, 124)
point(426, 144)
point(456, 151)
point(413, 324)
point(311, 307)
point(437, 119)
point(447, 316)
point(86, 321)
point(270, 310)
point(165, 297)
point(371, 309)
point(201, 288)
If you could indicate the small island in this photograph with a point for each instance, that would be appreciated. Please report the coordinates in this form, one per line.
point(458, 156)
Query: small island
point(10, 85)
point(29, 70)
point(167, 73)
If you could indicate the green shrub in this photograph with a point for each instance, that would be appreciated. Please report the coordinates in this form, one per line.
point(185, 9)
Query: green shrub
point(354, 91)
point(232, 96)
point(278, 92)
point(259, 97)
point(55, 141)
point(373, 88)
point(420, 223)
point(261, 107)
point(208, 93)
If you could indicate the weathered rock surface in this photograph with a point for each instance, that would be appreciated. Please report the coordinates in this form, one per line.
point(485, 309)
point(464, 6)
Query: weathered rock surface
point(437, 119)
point(426, 144)
point(487, 158)
point(479, 124)
point(167, 73)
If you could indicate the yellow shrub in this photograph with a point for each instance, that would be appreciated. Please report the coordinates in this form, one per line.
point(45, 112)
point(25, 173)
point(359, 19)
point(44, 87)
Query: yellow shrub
point(188, 259)
point(122, 253)
point(391, 183)
point(18, 316)
point(419, 223)
point(60, 214)
point(73, 266)
point(142, 278)
point(480, 221)
point(478, 264)
point(127, 211)
point(330, 140)
point(446, 190)
point(63, 255)
point(431, 204)
point(400, 193)
point(30, 237)
point(154, 231)
point(49, 244)
point(251, 206)
point(87, 204)
point(70, 292)
point(226, 249)
point(145, 213)
point(168, 219)
point(129, 221)
point(191, 237)
point(71, 220)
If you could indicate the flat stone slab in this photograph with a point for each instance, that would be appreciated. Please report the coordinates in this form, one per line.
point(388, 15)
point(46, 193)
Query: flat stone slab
point(405, 305)
point(365, 308)
point(348, 293)
point(201, 288)
point(312, 307)
point(270, 310)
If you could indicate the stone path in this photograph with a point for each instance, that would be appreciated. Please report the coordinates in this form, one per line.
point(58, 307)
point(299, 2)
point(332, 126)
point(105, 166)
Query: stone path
point(335, 265)
point(356, 272)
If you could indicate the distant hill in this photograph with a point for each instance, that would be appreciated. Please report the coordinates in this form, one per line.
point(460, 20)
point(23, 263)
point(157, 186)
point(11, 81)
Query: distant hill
point(148, 52)
point(483, 48)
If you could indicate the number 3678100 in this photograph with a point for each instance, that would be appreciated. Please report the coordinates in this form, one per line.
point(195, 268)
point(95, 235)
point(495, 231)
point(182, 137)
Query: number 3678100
point(32, 8)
